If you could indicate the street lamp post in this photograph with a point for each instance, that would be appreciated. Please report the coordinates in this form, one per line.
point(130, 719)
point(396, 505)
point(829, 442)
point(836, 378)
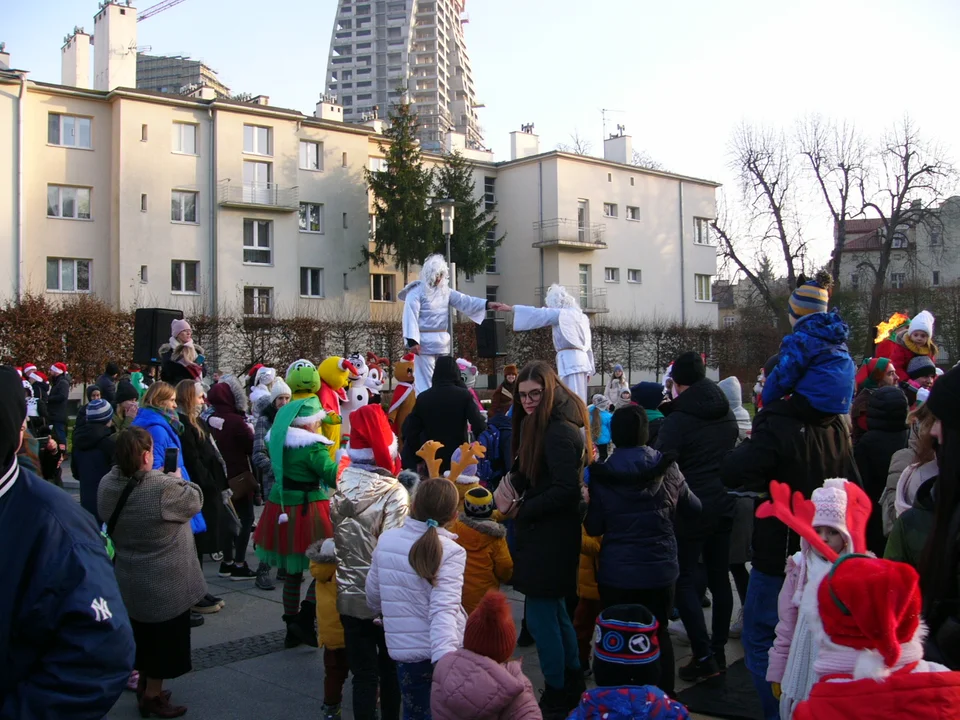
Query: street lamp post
point(446, 206)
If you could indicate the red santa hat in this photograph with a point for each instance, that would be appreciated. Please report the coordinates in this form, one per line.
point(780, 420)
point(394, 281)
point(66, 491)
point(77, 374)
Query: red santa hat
point(58, 369)
point(29, 368)
point(372, 439)
point(871, 605)
point(252, 372)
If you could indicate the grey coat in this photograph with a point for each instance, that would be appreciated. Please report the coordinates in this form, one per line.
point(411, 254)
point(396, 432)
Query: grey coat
point(156, 559)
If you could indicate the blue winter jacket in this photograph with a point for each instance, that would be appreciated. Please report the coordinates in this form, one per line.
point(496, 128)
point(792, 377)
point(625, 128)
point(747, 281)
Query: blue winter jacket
point(814, 362)
point(605, 418)
point(631, 702)
point(66, 647)
point(164, 436)
point(634, 498)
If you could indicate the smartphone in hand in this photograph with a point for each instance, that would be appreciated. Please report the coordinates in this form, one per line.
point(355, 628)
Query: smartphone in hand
point(171, 460)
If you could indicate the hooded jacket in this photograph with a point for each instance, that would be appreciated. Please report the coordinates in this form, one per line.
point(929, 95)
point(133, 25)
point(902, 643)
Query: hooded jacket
point(815, 362)
point(57, 402)
point(368, 501)
point(94, 445)
point(886, 434)
point(798, 446)
point(901, 460)
point(203, 463)
point(546, 555)
point(699, 431)
point(638, 702)
point(488, 558)
point(228, 425)
point(164, 437)
point(323, 567)
point(731, 388)
point(108, 389)
point(634, 499)
point(468, 685)
point(442, 413)
point(910, 531)
point(587, 587)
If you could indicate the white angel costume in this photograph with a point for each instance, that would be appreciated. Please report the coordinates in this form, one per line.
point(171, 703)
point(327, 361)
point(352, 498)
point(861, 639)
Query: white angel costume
point(426, 303)
point(571, 336)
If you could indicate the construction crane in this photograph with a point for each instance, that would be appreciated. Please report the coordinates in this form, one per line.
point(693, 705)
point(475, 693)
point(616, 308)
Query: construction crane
point(158, 8)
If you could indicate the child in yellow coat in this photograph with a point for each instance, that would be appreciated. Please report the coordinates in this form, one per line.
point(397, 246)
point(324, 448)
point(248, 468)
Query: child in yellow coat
point(323, 567)
point(485, 540)
point(588, 607)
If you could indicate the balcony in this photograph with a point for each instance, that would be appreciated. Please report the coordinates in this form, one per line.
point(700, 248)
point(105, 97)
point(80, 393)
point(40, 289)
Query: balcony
point(566, 234)
point(591, 301)
point(258, 196)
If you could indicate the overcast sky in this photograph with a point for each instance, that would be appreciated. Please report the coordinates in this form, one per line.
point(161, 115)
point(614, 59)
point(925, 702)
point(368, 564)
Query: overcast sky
point(680, 75)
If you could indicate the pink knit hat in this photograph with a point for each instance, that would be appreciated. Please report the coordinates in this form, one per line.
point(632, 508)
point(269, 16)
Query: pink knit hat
point(831, 509)
point(178, 326)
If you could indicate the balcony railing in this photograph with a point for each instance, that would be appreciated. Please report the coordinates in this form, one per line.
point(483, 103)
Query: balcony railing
point(264, 196)
point(591, 300)
point(569, 234)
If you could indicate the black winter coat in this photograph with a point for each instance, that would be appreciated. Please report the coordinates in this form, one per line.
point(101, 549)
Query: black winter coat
point(441, 414)
point(794, 444)
point(699, 431)
point(172, 372)
point(94, 447)
point(203, 466)
point(886, 434)
point(546, 554)
point(57, 402)
point(634, 500)
point(108, 389)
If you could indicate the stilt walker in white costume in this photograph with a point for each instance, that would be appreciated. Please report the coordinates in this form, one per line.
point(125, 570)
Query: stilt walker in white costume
point(571, 336)
point(426, 303)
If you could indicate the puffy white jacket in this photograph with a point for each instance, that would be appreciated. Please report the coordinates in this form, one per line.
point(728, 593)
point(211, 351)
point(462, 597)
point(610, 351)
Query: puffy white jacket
point(422, 622)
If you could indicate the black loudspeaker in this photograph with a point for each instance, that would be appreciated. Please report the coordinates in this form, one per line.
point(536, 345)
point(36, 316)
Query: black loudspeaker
point(151, 329)
point(492, 338)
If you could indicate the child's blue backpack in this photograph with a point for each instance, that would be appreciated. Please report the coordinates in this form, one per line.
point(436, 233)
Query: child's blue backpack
point(489, 468)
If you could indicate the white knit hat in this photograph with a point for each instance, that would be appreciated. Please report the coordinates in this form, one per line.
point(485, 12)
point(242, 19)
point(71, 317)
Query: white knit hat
point(923, 321)
point(279, 388)
point(831, 509)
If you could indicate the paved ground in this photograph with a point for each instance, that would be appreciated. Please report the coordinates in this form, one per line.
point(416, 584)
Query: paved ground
point(242, 672)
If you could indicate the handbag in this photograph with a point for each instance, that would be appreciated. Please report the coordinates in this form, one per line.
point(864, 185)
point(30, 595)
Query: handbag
point(506, 498)
point(243, 484)
point(107, 528)
point(233, 523)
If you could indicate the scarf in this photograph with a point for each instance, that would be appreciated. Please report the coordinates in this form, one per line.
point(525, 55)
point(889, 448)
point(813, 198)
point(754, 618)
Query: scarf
point(653, 415)
point(171, 417)
point(910, 481)
point(928, 349)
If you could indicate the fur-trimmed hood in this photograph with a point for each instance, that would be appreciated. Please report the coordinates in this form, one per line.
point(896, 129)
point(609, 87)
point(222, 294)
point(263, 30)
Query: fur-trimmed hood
point(485, 527)
point(228, 395)
point(299, 438)
point(322, 551)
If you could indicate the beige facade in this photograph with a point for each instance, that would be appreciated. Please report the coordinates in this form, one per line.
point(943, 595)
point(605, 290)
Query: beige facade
point(155, 200)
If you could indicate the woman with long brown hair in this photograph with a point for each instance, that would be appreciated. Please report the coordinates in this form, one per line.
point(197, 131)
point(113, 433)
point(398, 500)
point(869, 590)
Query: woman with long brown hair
point(551, 449)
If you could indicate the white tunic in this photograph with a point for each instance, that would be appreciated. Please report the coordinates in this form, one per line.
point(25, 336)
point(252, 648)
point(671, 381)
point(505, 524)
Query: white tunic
point(425, 315)
point(571, 335)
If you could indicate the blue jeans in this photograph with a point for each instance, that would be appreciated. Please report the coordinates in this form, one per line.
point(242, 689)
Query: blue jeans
point(60, 430)
point(556, 640)
point(759, 632)
point(415, 684)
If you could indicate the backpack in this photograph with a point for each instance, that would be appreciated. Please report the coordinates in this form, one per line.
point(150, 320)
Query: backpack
point(489, 468)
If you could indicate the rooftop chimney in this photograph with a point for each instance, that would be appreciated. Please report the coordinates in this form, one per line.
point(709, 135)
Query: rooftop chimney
point(618, 148)
point(202, 92)
point(329, 108)
point(115, 40)
point(75, 59)
point(261, 100)
point(524, 143)
point(4, 57)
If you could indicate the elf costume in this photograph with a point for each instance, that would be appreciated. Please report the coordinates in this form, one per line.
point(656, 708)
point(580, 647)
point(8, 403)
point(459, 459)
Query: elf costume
point(894, 341)
point(297, 512)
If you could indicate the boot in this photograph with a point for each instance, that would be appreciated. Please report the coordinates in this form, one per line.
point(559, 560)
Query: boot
point(525, 639)
point(160, 707)
point(303, 625)
point(574, 686)
point(554, 703)
point(292, 639)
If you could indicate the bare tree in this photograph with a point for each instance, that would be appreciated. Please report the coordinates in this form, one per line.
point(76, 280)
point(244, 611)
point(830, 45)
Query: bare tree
point(643, 159)
point(578, 145)
point(837, 155)
point(907, 177)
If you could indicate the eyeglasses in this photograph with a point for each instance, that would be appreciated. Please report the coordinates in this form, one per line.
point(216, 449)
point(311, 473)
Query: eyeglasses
point(533, 395)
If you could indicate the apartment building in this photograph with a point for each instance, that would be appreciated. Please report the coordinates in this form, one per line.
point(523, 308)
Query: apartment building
point(176, 74)
point(381, 46)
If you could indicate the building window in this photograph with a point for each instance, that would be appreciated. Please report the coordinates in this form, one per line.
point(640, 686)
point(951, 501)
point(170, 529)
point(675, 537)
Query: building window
point(143, 274)
point(468, 277)
point(344, 221)
point(257, 140)
point(634, 276)
point(183, 276)
point(68, 202)
point(899, 241)
point(611, 275)
point(311, 282)
point(936, 237)
point(610, 210)
point(258, 301)
point(492, 251)
point(631, 181)
point(343, 160)
point(855, 280)
point(489, 193)
point(610, 177)
point(703, 287)
point(936, 278)
point(381, 287)
point(68, 275)
point(183, 206)
point(898, 280)
point(729, 321)
point(68, 130)
point(143, 202)
point(311, 217)
point(701, 231)
point(633, 213)
point(143, 133)
point(492, 291)
point(185, 138)
point(311, 155)
point(256, 242)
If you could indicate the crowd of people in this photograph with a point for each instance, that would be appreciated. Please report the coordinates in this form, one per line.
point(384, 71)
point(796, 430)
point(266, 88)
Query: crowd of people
point(613, 520)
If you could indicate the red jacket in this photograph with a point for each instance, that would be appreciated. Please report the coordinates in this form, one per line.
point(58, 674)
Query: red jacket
point(900, 356)
point(920, 695)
